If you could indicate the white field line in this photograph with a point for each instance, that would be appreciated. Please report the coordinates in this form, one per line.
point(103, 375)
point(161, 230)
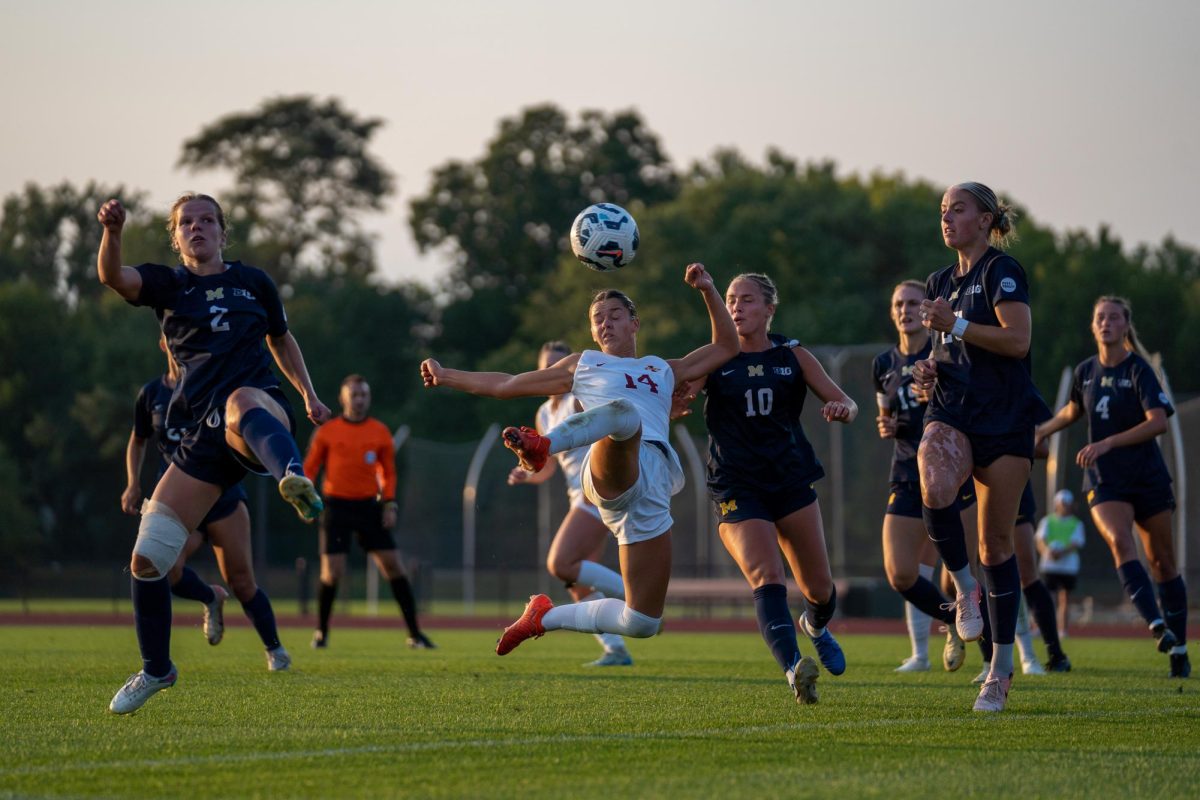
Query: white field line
point(525, 741)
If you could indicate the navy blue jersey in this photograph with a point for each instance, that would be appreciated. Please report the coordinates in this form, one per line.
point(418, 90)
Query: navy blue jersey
point(1116, 399)
point(978, 391)
point(215, 325)
point(892, 371)
point(752, 410)
point(150, 419)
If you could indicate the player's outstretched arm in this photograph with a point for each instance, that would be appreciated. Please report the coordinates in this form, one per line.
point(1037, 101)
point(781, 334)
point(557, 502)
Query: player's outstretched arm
point(838, 406)
point(286, 352)
point(724, 345)
point(125, 281)
point(555, 379)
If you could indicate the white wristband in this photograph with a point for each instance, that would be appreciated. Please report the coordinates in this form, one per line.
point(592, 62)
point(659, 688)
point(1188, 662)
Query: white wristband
point(960, 327)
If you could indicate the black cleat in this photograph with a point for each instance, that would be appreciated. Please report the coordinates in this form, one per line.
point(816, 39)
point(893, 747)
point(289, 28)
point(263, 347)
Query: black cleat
point(421, 642)
point(319, 641)
point(1181, 666)
point(1162, 634)
point(1059, 663)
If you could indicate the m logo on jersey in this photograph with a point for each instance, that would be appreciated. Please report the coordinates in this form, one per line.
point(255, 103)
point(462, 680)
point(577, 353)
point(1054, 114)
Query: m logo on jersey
point(214, 294)
point(1106, 382)
point(755, 370)
point(1008, 285)
point(728, 507)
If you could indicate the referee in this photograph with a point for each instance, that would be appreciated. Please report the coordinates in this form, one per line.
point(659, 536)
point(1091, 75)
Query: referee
point(356, 454)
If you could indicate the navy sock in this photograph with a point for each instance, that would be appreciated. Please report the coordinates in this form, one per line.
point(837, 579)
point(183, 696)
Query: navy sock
point(259, 610)
point(152, 620)
point(1003, 585)
point(270, 440)
point(928, 598)
point(1141, 593)
point(1041, 605)
point(775, 623)
point(402, 591)
point(191, 587)
point(985, 638)
point(1173, 595)
point(325, 596)
point(819, 614)
point(946, 530)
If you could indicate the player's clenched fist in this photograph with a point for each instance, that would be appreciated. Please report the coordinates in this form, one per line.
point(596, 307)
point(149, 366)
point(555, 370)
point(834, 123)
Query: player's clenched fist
point(112, 215)
point(697, 277)
point(431, 371)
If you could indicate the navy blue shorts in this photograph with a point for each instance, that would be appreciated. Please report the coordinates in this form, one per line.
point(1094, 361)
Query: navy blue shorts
point(1059, 580)
point(1027, 511)
point(226, 504)
point(362, 518)
point(985, 448)
point(205, 456)
point(740, 503)
point(1146, 502)
point(904, 500)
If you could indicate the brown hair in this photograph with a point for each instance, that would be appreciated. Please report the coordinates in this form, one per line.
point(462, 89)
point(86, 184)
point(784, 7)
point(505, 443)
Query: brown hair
point(187, 197)
point(353, 377)
point(1002, 233)
point(910, 283)
point(619, 296)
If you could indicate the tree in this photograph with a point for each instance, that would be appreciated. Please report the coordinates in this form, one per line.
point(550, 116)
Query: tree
point(301, 173)
point(505, 216)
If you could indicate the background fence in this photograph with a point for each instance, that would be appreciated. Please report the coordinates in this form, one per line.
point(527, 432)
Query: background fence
point(503, 560)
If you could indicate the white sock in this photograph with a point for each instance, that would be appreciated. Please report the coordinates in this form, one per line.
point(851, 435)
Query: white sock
point(918, 621)
point(618, 420)
point(611, 642)
point(964, 581)
point(1024, 640)
point(601, 578)
point(601, 616)
point(807, 628)
point(1179, 650)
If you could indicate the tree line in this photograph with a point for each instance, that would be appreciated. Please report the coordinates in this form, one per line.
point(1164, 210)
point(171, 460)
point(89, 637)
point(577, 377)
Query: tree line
point(302, 176)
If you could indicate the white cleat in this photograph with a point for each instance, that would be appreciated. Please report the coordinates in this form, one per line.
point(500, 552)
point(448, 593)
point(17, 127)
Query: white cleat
point(993, 694)
point(138, 689)
point(299, 491)
point(913, 664)
point(955, 651)
point(1032, 667)
point(214, 616)
point(613, 658)
point(802, 677)
point(278, 660)
point(967, 618)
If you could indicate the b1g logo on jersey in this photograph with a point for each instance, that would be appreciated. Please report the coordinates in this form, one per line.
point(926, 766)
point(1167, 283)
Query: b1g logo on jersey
point(974, 288)
point(782, 370)
point(1008, 285)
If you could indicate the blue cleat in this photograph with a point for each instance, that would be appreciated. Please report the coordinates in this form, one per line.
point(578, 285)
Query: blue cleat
point(828, 650)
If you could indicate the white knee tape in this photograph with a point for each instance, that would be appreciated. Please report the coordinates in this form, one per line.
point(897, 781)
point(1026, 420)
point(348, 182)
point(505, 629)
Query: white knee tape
point(160, 539)
point(638, 625)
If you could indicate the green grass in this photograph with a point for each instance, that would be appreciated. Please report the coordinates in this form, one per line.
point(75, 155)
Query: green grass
point(700, 715)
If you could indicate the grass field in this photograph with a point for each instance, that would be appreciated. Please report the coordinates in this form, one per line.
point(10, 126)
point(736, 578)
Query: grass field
point(699, 715)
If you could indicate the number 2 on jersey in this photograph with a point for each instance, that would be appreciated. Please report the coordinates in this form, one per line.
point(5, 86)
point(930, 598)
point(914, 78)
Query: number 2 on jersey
point(217, 325)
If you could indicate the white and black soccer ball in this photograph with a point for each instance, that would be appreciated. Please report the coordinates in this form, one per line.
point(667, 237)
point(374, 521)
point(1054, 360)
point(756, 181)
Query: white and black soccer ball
point(604, 237)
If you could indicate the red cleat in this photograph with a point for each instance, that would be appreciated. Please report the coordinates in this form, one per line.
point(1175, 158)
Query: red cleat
point(528, 626)
point(530, 446)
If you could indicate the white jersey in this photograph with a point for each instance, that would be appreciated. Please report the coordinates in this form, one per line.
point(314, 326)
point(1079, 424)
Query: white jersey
point(646, 382)
point(549, 416)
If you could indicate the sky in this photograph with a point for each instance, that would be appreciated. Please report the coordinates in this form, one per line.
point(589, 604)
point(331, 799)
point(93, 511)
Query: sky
point(1086, 113)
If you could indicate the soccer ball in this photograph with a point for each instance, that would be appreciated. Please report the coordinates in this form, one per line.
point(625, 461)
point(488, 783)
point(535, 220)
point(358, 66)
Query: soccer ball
point(604, 237)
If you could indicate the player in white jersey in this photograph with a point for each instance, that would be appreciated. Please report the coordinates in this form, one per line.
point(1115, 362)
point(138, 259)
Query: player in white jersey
point(579, 543)
point(630, 472)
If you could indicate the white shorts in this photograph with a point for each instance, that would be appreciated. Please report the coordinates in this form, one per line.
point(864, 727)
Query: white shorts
point(643, 511)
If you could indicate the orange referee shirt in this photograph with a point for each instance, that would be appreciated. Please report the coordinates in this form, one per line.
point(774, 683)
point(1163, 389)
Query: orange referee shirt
point(357, 457)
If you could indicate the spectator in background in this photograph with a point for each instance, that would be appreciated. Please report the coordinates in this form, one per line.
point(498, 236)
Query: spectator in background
point(1059, 540)
point(360, 493)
